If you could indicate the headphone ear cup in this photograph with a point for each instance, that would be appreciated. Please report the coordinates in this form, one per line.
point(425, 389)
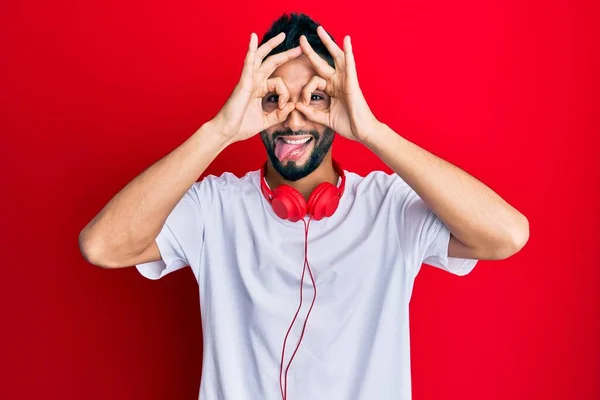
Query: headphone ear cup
point(323, 201)
point(288, 203)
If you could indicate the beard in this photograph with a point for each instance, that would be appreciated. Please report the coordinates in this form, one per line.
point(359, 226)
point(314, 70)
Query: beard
point(292, 171)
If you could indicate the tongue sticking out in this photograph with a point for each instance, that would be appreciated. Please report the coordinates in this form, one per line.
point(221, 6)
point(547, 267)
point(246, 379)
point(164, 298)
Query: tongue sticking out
point(283, 149)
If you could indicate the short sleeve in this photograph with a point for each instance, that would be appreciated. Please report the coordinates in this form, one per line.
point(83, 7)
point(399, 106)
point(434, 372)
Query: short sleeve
point(437, 252)
point(423, 236)
point(181, 237)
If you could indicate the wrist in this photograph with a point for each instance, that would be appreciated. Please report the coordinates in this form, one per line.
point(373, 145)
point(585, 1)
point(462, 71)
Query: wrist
point(370, 137)
point(211, 133)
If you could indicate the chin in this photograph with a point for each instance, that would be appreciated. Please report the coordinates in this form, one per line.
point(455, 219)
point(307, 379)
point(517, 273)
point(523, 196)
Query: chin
point(292, 171)
point(296, 170)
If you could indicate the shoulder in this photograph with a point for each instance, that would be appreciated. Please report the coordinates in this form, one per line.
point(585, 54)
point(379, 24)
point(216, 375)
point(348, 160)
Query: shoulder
point(226, 183)
point(375, 183)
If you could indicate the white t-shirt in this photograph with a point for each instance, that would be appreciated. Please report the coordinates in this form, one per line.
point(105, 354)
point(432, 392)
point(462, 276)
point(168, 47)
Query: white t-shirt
point(248, 263)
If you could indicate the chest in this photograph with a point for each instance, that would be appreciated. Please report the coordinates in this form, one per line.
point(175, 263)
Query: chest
point(253, 271)
point(265, 257)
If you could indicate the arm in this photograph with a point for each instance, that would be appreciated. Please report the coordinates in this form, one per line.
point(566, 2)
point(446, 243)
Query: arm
point(125, 230)
point(483, 226)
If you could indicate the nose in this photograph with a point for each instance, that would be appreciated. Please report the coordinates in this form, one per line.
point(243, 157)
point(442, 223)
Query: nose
point(295, 121)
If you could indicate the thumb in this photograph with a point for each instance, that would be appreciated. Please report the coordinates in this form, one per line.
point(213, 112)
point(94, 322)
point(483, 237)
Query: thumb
point(317, 116)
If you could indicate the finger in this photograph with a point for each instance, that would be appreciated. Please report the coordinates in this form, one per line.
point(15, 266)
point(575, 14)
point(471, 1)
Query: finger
point(278, 86)
point(278, 116)
point(316, 82)
point(349, 59)
point(334, 49)
point(248, 70)
point(320, 65)
point(318, 116)
point(250, 55)
point(274, 61)
point(269, 45)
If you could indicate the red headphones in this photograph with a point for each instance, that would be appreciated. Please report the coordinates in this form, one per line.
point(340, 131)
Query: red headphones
point(288, 203)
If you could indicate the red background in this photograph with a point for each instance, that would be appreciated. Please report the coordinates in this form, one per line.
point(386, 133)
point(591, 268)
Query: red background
point(94, 92)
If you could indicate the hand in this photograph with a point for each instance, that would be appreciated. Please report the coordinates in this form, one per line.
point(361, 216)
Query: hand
point(349, 114)
point(243, 116)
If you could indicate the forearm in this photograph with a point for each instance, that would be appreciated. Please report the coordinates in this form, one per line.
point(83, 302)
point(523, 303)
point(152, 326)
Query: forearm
point(132, 219)
point(475, 214)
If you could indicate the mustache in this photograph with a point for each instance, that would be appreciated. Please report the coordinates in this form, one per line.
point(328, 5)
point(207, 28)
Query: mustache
point(290, 132)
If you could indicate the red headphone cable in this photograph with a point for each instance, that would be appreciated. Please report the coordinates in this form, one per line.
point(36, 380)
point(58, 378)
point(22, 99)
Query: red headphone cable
point(306, 264)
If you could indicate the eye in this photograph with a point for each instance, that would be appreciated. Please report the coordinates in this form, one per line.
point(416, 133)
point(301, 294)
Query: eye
point(316, 97)
point(273, 98)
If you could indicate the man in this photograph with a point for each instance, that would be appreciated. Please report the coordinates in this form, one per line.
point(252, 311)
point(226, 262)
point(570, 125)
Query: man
point(309, 239)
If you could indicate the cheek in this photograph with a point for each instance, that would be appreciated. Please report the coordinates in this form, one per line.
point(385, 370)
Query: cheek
point(322, 129)
point(323, 104)
point(267, 135)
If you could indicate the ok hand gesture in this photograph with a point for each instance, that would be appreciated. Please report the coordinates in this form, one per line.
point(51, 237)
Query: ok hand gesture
point(243, 116)
point(348, 113)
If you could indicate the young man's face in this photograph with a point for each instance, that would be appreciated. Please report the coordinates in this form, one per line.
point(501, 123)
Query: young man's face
point(297, 146)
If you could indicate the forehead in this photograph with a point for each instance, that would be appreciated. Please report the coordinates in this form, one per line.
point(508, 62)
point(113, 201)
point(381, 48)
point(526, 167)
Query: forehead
point(295, 73)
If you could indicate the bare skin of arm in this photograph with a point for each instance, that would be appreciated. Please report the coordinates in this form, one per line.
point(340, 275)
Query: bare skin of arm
point(123, 233)
point(483, 226)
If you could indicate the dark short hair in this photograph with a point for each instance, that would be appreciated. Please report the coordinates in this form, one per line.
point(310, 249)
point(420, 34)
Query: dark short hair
point(295, 25)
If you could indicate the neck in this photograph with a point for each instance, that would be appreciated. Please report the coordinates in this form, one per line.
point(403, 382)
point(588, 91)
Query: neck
point(324, 173)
